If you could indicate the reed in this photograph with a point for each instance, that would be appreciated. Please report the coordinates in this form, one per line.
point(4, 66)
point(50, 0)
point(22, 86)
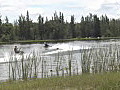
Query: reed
point(97, 59)
point(101, 59)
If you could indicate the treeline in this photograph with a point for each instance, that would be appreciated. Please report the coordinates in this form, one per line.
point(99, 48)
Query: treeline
point(57, 28)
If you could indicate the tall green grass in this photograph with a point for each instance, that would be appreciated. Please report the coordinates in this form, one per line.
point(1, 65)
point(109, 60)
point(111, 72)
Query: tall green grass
point(103, 81)
point(101, 59)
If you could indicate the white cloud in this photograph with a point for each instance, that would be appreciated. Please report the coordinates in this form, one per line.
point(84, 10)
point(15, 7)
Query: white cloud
point(13, 8)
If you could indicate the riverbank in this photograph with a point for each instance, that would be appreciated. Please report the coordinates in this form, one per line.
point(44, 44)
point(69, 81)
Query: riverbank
point(59, 40)
point(103, 81)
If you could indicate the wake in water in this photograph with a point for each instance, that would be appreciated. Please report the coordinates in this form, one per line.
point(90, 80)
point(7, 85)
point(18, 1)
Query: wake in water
point(63, 48)
point(54, 49)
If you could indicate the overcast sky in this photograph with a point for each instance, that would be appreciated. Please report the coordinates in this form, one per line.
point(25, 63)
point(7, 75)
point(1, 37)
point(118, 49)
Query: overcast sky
point(14, 8)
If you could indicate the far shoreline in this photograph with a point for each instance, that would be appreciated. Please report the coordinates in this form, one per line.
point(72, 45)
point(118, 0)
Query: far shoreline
point(57, 40)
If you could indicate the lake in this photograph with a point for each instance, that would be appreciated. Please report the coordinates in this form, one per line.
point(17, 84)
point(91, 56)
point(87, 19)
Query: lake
point(60, 59)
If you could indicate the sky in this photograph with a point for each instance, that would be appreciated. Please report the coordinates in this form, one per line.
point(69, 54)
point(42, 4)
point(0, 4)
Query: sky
point(14, 8)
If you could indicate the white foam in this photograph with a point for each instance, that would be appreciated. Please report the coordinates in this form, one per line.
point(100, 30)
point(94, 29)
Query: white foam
point(64, 47)
point(56, 48)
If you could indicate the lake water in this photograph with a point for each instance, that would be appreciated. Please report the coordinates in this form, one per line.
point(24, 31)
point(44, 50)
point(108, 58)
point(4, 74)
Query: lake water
point(62, 50)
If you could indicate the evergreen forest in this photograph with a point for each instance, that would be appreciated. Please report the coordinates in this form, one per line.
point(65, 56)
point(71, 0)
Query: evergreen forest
point(58, 28)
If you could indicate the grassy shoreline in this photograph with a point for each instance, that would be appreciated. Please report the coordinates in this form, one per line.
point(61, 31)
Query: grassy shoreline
point(59, 40)
point(103, 81)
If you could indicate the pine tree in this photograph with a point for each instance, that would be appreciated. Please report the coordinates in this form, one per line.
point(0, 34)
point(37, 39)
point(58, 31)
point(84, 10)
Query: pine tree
point(0, 26)
point(6, 20)
point(41, 27)
point(72, 26)
point(28, 27)
point(22, 27)
point(97, 32)
point(82, 27)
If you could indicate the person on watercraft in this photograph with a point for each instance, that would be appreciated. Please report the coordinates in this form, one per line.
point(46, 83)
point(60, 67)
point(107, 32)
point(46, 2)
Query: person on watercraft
point(46, 45)
point(17, 51)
